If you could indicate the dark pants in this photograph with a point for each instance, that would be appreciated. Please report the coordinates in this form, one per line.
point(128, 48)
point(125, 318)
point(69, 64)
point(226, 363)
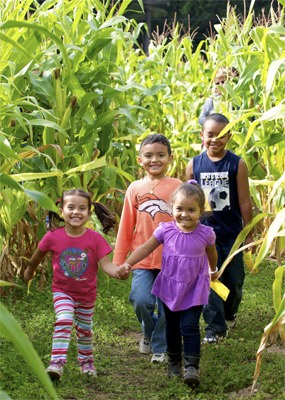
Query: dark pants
point(217, 311)
point(183, 324)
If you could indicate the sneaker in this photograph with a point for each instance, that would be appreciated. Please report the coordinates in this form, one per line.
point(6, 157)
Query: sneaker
point(158, 358)
point(231, 323)
point(55, 370)
point(144, 346)
point(87, 368)
point(214, 337)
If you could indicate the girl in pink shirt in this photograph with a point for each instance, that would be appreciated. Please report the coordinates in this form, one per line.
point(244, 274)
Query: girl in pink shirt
point(76, 252)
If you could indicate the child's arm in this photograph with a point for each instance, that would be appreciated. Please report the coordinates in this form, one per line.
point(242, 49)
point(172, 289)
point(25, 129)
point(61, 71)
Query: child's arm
point(244, 197)
point(143, 251)
point(207, 108)
point(126, 229)
point(112, 269)
point(36, 259)
point(212, 255)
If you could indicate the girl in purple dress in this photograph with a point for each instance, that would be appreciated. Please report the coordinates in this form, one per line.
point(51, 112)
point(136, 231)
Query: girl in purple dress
point(189, 260)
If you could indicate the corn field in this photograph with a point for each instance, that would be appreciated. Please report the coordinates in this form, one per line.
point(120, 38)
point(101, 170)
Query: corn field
point(78, 95)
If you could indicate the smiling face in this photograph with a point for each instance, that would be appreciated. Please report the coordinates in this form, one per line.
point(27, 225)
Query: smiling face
point(215, 145)
point(75, 212)
point(155, 159)
point(186, 212)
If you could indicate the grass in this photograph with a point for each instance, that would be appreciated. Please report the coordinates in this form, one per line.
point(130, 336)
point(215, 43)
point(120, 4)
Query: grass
point(124, 374)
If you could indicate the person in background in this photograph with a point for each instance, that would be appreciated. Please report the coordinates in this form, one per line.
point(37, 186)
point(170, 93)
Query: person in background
point(189, 259)
point(212, 103)
point(224, 178)
point(76, 252)
point(146, 204)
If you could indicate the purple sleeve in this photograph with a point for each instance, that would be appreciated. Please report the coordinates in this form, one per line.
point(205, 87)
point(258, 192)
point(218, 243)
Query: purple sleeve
point(158, 232)
point(211, 239)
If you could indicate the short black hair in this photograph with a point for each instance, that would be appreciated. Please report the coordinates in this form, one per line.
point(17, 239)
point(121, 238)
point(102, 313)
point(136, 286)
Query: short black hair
point(219, 118)
point(156, 138)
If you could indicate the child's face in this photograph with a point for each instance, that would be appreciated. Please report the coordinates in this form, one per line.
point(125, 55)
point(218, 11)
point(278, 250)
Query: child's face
point(219, 82)
point(215, 145)
point(154, 159)
point(186, 212)
point(75, 211)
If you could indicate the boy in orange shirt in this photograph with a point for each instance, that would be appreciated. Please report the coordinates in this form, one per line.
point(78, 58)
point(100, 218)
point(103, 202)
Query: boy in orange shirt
point(146, 204)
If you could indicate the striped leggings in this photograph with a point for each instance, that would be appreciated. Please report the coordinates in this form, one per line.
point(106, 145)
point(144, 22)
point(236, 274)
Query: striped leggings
point(67, 312)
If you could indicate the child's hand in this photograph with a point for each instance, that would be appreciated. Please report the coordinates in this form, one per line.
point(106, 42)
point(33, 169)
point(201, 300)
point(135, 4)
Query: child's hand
point(28, 274)
point(123, 271)
point(214, 276)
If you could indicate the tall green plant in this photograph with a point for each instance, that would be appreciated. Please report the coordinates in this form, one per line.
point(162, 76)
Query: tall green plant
point(10, 330)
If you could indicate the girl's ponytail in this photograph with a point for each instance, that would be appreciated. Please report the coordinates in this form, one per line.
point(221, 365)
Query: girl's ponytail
point(53, 220)
point(105, 216)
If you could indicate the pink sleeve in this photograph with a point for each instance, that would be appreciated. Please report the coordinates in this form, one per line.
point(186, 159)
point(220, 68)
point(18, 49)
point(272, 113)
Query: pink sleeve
point(45, 244)
point(103, 247)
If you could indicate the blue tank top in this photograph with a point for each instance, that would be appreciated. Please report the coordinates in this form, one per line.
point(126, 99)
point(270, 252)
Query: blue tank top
point(219, 182)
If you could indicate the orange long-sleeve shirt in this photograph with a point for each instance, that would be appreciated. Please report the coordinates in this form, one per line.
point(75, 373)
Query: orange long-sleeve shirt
point(142, 212)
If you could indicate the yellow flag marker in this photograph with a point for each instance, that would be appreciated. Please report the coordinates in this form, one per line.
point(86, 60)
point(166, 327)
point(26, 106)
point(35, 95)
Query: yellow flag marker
point(220, 289)
point(29, 283)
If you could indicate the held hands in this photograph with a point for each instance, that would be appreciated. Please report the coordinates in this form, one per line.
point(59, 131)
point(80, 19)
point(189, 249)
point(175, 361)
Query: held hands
point(123, 271)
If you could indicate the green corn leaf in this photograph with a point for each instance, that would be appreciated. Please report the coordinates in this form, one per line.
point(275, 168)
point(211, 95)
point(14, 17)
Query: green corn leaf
point(10, 182)
point(30, 176)
point(7, 152)
point(272, 70)
point(105, 119)
point(270, 235)
point(12, 331)
point(277, 286)
point(42, 200)
point(98, 163)
point(240, 239)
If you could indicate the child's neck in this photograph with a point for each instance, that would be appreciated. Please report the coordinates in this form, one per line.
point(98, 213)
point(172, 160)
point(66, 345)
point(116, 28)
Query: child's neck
point(216, 157)
point(154, 177)
point(75, 232)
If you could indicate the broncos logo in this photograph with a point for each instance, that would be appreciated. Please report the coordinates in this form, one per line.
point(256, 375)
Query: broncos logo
point(151, 204)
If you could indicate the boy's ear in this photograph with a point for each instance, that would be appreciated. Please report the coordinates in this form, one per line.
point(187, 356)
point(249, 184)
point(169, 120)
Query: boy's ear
point(139, 160)
point(201, 134)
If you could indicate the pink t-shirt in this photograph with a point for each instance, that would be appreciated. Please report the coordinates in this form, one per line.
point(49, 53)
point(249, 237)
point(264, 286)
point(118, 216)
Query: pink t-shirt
point(75, 262)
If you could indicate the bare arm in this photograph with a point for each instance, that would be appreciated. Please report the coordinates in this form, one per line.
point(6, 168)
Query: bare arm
point(189, 171)
point(244, 197)
point(143, 251)
point(111, 269)
point(36, 259)
point(212, 255)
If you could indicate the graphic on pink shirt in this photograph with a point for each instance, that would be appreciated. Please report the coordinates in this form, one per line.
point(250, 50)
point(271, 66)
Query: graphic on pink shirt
point(73, 262)
point(152, 205)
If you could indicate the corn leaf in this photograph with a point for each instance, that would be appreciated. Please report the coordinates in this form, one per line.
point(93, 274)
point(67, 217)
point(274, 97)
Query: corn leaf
point(270, 235)
point(12, 331)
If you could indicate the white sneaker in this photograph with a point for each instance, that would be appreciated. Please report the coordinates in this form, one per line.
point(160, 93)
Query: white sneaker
point(144, 346)
point(158, 358)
